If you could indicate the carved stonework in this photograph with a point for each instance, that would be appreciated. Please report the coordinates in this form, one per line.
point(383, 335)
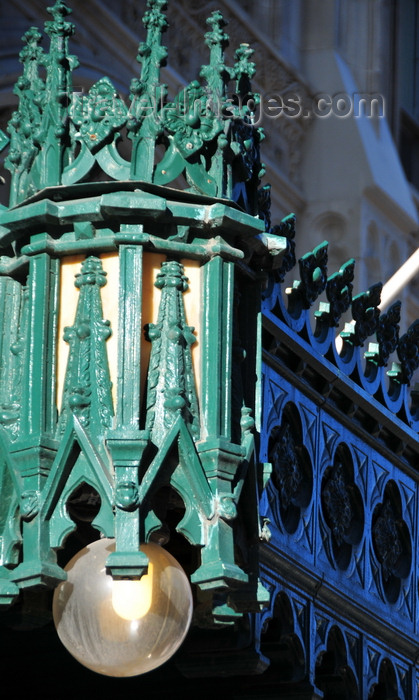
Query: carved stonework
point(293, 132)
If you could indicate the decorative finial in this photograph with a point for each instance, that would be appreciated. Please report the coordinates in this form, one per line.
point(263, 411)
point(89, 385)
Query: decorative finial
point(171, 393)
point(216, 73)
point(217, 38)
point(313, 276)
point(24, 126)
point(58, 25)
point(244, 70)
point(365, 314)
point(31, 51)
point(387, 335)
point(147, 93)
point(60, 138)
point(87, 386)
point(151, 53)
point(339, 294)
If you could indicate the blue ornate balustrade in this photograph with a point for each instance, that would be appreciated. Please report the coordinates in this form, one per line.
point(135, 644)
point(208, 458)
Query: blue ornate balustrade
point(340, 422)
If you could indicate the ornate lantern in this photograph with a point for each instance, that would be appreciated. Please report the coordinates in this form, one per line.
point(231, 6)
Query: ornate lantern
point(111, 438)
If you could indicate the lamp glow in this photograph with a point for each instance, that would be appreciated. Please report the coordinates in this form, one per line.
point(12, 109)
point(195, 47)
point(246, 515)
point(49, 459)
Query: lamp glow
point(132, 599)
point(122, 628)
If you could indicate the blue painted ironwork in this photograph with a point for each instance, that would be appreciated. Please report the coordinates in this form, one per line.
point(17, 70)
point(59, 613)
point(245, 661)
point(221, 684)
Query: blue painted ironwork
point(340, 430)
point(299, 539)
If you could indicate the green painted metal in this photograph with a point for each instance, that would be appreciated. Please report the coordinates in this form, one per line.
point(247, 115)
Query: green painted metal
point(171, 393)
point(170, 434)
point(87, 387)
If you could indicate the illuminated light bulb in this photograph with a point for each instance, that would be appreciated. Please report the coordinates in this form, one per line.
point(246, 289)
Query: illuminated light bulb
point(132, 599)
point(127, 627)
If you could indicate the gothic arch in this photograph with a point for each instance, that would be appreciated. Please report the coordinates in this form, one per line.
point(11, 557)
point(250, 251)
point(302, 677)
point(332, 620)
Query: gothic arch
point(281, 643)
point(334, 674)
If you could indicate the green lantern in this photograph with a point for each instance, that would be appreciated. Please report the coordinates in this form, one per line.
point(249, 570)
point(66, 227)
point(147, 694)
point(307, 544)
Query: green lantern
point(106, 430)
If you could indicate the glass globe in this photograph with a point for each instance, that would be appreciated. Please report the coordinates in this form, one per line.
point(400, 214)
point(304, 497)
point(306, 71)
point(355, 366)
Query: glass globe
point(122, 628)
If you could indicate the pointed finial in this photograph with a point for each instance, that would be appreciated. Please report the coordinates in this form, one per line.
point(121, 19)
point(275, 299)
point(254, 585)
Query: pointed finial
point(58, 25)
point(87, 384)
point(216, 73)
point(147, 93)
point(388, 332)
point(32, 38)
point(25, 123)
point(92, 272)
point(216, 37)
point(151, 53)
point(244, 69)
point(339, 294)
point(171, 393)
point(59, 10)
point(31, 56)
point(154, 15)
point(365, 314)
point(313, 277)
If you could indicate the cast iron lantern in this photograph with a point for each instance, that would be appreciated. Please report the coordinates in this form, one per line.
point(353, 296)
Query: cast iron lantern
point(111, 438)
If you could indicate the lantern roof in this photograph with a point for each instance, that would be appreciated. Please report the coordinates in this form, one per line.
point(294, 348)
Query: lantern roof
point(202, 140)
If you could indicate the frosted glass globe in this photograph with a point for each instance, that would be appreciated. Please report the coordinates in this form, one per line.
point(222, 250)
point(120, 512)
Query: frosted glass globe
point(122, 628)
